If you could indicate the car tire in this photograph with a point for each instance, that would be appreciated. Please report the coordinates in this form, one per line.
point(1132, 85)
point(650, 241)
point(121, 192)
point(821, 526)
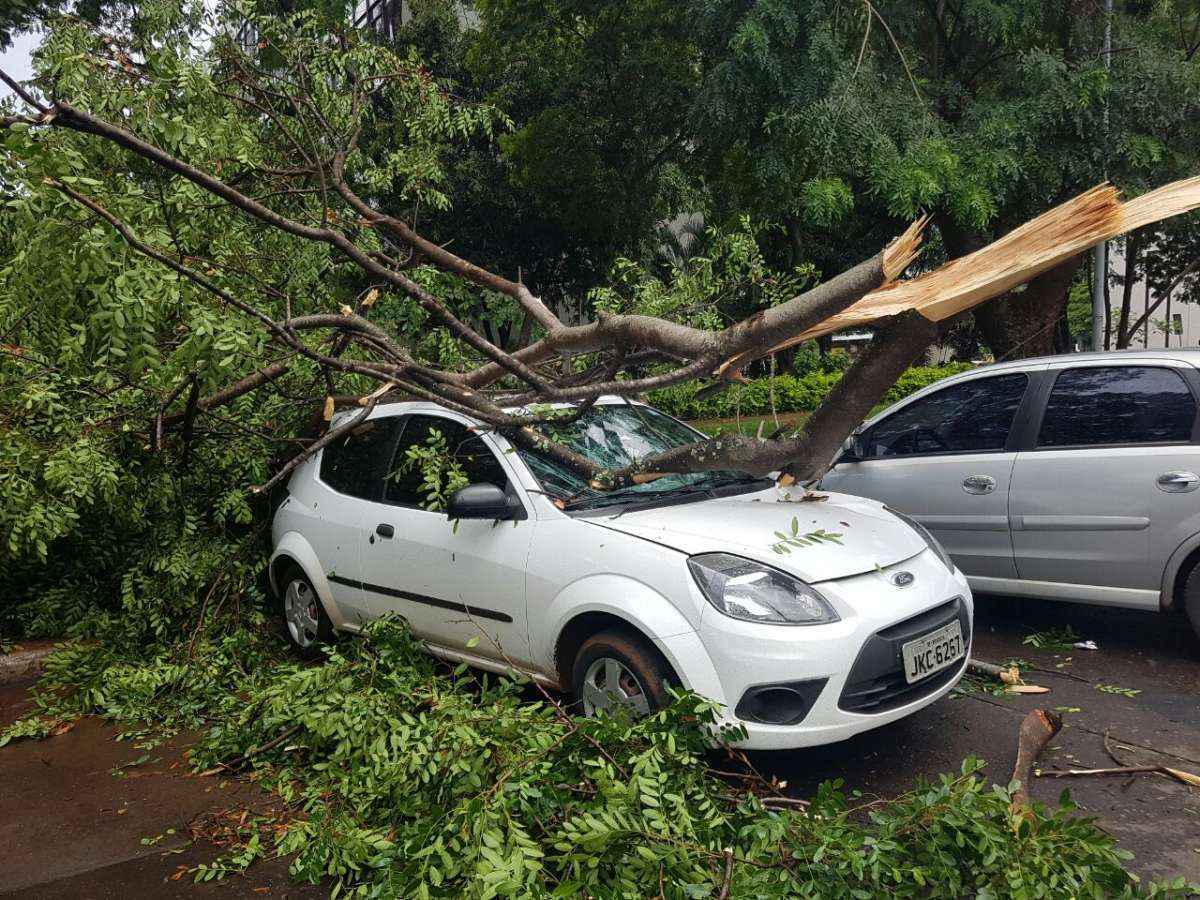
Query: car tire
point(641, 673)
point(304, 619)
point(1191, 596)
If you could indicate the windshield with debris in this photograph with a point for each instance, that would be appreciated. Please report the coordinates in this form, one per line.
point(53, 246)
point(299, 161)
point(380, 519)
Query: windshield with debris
point(614, 436)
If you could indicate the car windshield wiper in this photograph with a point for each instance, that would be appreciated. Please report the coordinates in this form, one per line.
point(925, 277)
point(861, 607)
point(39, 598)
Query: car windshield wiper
point(738, 478)
point(634, 496)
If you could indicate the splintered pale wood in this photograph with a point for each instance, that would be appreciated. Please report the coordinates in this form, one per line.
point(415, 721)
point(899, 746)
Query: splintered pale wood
point(1021, 255)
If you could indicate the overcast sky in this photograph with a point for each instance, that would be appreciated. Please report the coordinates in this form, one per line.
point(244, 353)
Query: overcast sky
point(15, 60)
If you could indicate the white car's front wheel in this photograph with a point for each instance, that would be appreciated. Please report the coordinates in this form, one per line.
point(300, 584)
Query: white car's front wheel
point(305, 620)
point(614, 669)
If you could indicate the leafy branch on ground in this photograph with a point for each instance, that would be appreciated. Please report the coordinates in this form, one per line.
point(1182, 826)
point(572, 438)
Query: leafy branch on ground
point(402, 777)
point(1053, 639)
point(1117, 689)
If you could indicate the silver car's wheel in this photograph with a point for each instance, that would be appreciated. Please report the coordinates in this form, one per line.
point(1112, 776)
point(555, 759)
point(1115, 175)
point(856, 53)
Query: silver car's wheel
point(1191, 597)
point(301, 614)
point(607, 684)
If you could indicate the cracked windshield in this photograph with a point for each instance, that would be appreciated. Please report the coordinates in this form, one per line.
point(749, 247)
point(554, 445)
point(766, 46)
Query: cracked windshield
point(615, 437)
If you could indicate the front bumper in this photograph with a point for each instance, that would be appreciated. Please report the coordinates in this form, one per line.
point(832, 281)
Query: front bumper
point(859, 692)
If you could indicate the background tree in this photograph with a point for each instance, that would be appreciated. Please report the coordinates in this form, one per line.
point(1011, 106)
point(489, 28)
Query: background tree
point(837, 123)
point(206, 245)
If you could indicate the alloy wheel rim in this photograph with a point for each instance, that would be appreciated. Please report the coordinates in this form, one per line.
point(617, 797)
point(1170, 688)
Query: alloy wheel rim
point(300, 613)
point(609, 684)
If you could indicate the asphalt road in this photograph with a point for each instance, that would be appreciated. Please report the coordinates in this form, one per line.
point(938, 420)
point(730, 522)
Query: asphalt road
point(1156, 818)
point(70, 828)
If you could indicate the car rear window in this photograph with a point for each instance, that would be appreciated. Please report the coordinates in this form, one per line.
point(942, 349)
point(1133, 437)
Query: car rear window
point(1117, 405)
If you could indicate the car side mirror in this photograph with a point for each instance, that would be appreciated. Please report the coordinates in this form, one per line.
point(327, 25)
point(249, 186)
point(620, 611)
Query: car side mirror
point(481, 501)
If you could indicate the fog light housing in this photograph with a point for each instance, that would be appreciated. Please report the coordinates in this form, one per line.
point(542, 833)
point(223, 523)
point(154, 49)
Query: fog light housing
point(786, 703)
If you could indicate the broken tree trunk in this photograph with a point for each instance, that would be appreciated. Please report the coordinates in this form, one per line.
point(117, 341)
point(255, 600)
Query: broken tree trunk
point(1038, 728)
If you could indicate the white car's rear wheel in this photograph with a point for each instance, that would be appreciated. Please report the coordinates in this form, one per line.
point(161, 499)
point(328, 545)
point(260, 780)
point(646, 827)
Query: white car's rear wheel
point(304, 618)
point(614, 669)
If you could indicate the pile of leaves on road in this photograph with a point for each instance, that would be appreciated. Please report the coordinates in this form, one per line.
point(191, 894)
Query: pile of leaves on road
point(402, 777)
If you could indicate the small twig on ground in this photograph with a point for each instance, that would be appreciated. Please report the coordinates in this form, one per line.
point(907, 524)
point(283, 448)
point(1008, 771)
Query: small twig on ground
point(1177, 774)
point(1059, 673)
point(1112, 753)
point(1079, 727)
point(986, 668)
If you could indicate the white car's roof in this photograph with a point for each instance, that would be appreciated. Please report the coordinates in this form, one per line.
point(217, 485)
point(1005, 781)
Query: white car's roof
point(394, 406)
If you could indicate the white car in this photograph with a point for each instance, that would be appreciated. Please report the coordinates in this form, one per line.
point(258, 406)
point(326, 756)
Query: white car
point(614, 595)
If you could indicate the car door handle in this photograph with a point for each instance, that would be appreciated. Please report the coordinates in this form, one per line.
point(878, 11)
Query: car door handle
point(1178, 482)
point(384, 530)
point(979, 484)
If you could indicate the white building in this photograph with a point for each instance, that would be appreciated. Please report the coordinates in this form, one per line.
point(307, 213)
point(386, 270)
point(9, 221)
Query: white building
point(1172, 324)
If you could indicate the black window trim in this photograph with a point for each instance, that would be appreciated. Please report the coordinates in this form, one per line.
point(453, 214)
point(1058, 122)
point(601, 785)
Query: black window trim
point(1015, 431)
point(1189, 375)
point(514, 489)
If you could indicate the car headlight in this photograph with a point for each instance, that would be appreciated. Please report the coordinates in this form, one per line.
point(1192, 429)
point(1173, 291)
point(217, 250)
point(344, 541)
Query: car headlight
point(934, 544)
point(744, 589)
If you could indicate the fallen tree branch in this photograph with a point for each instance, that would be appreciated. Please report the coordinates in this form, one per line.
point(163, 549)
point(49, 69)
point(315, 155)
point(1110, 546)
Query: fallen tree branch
point(1009, 675)
point(728, 874)
point(867, 293)
point(329, 437)
point(228, 394)
point(252, 752)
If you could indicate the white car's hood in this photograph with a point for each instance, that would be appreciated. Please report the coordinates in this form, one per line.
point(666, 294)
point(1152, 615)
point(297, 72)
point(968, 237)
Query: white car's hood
point(746, 525)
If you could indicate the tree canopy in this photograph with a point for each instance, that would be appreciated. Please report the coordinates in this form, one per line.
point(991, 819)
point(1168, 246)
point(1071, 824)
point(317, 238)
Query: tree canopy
point(190, 218)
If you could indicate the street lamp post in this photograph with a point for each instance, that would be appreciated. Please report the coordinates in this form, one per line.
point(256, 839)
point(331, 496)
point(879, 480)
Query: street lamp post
point(1100, 251)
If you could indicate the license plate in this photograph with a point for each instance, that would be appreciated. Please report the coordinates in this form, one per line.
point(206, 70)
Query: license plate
point(933, 652)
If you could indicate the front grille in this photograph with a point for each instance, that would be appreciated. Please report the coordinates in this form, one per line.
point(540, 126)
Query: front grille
point(876, 682)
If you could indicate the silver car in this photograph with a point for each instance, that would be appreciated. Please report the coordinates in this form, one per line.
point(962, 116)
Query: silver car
point(1066, 477)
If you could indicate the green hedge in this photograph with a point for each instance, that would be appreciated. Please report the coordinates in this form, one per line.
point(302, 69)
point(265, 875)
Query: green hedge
point(792, 393)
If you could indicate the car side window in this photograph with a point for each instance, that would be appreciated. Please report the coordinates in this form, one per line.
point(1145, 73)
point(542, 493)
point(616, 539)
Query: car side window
point(972, 417)
point(1117, 405)
point(458, 448)
point(353, 463)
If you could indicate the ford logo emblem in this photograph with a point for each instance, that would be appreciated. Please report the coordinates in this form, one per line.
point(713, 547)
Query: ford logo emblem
point(903, 579)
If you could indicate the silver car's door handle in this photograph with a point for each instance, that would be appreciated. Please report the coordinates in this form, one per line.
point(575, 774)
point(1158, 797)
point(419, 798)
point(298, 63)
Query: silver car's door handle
point(979, 484)
point(1178, 482)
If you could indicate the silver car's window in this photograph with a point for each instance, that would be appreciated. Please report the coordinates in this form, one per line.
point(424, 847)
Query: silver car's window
point(1117, 405)
point(972, 417)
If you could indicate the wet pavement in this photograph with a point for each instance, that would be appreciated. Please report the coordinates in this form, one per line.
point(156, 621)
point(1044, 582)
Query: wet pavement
point(1156, 818)
point(70, 828)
